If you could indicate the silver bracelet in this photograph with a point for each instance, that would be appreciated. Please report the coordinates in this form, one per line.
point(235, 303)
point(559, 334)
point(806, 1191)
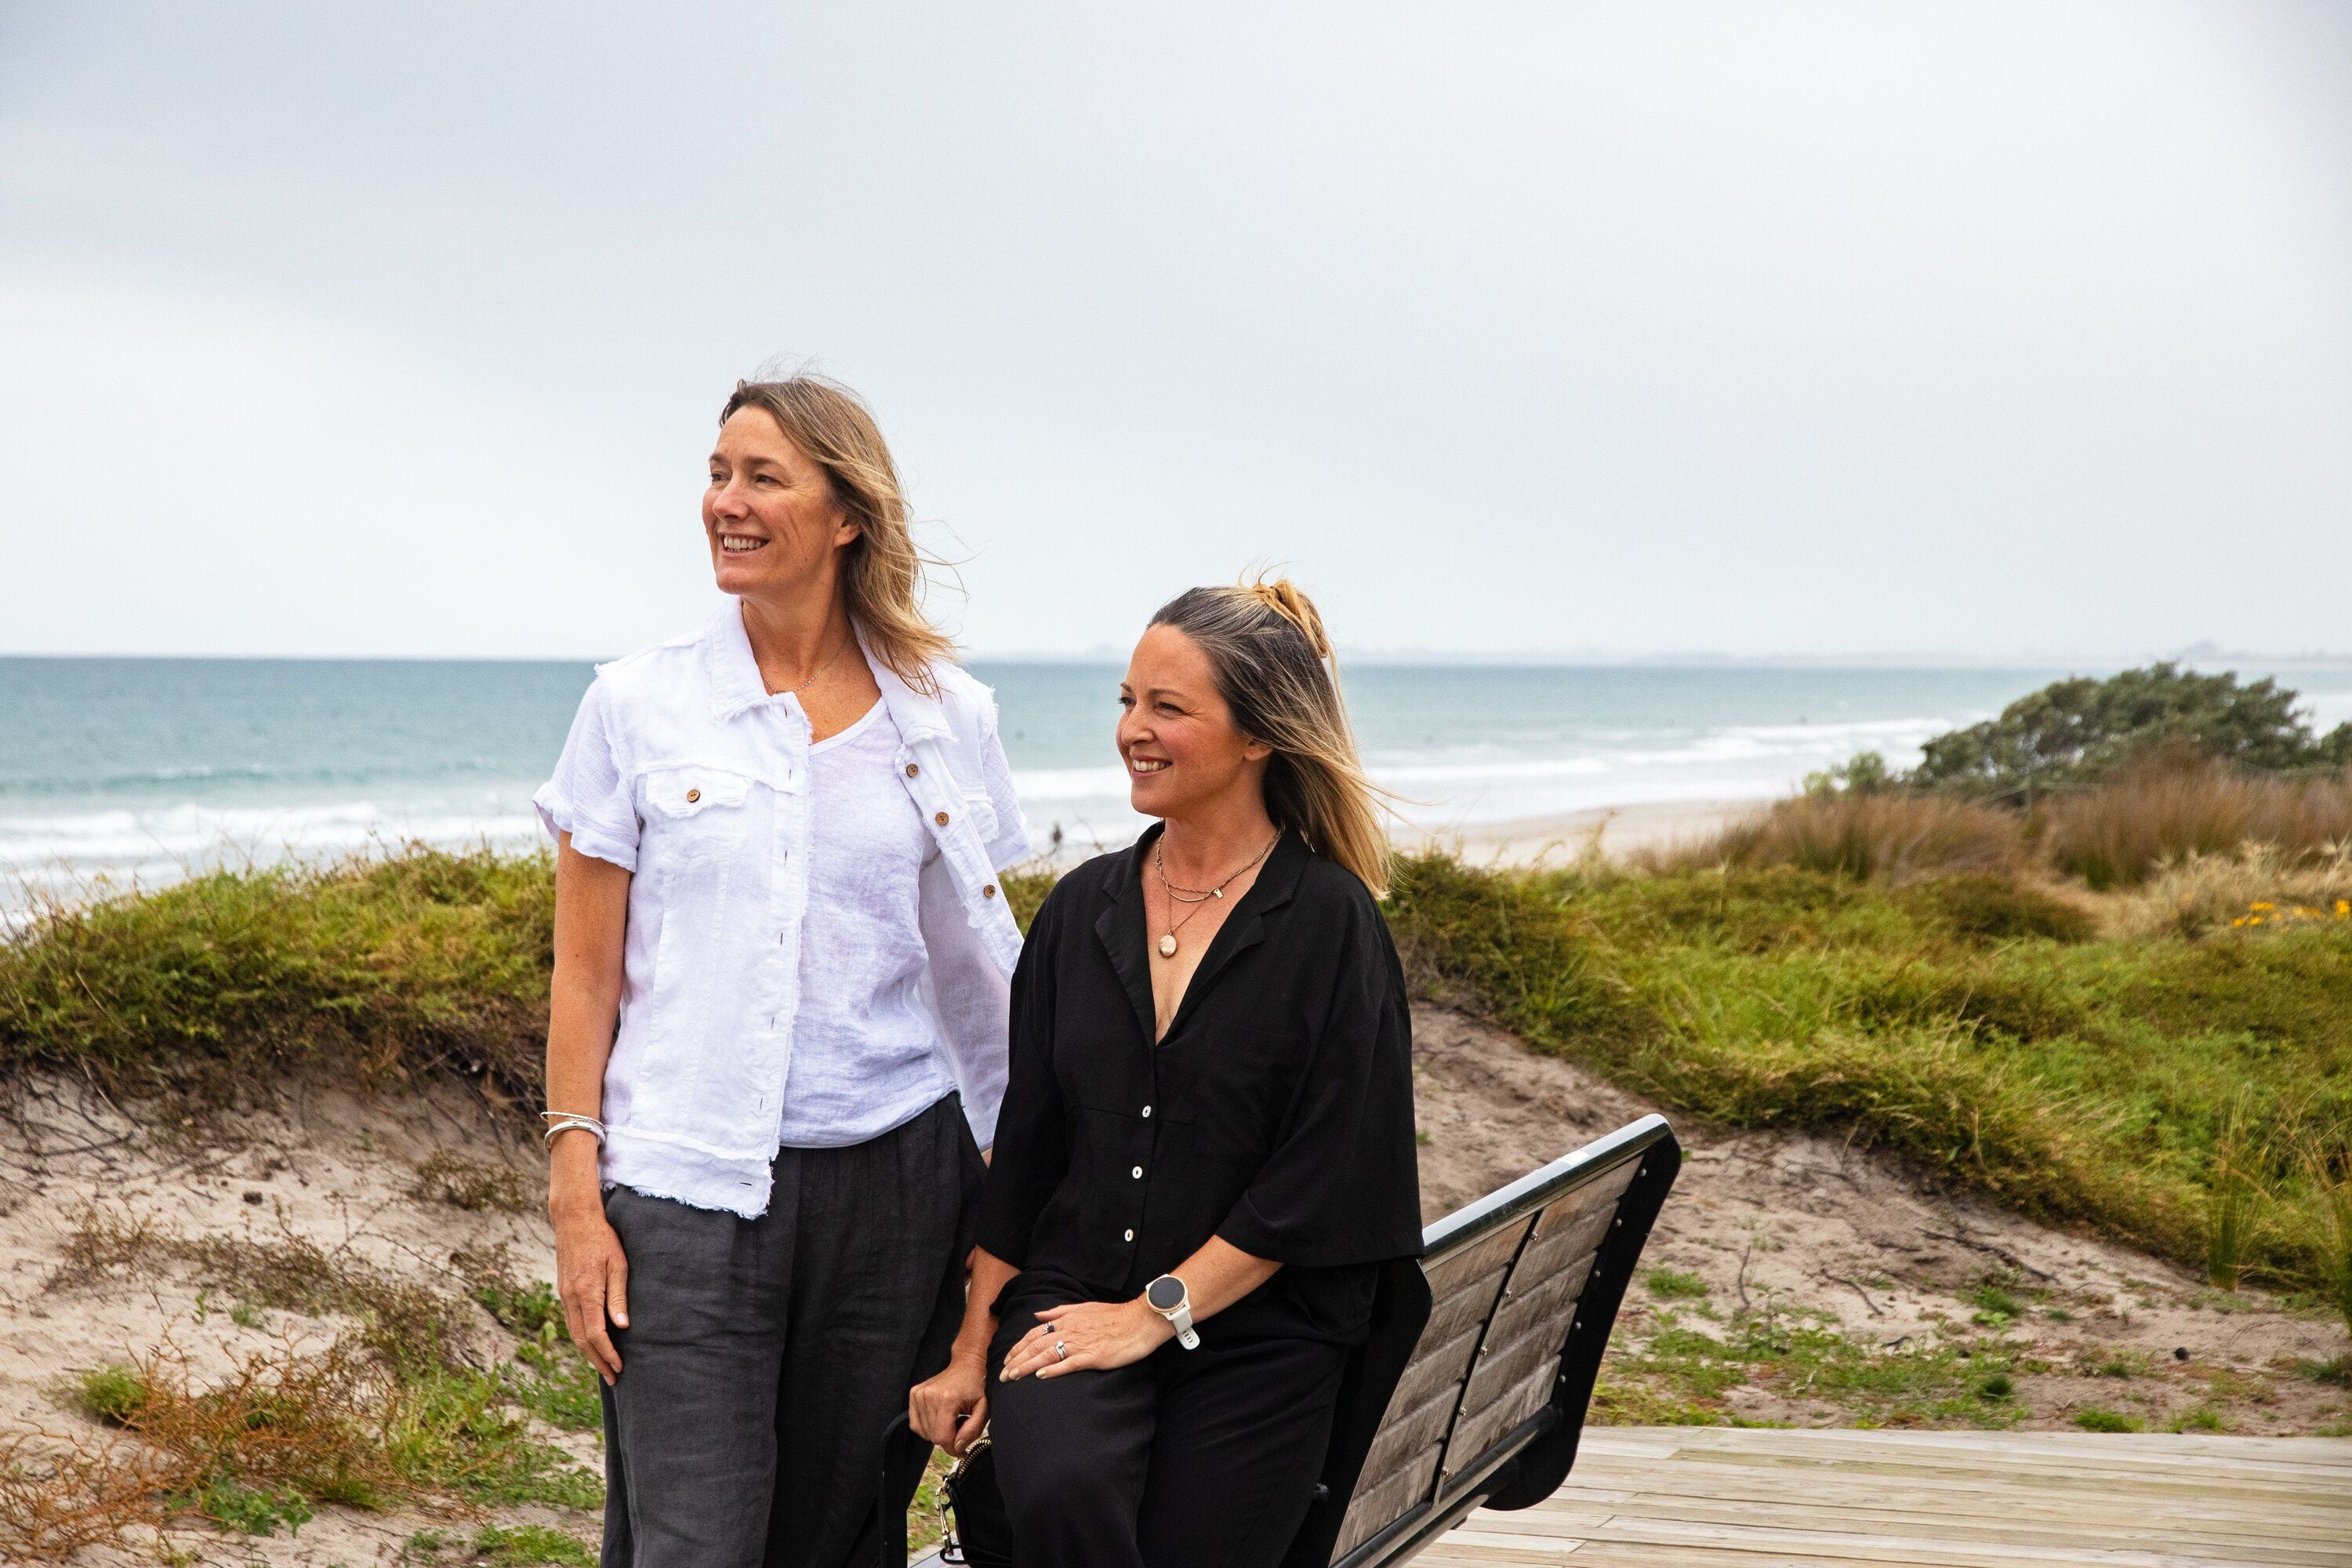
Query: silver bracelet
point(564, 1121)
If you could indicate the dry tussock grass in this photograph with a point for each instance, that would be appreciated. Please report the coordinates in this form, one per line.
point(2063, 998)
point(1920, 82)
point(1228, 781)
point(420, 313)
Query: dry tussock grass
point(2199, 893)
point(2148, 823)
point(1891, 837)
point(2165, 813)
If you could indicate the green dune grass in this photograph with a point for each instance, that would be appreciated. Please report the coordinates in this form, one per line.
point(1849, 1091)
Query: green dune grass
point(1974, 1025)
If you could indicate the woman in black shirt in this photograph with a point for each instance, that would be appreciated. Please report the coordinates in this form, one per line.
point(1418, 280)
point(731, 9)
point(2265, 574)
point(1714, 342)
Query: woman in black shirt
point(1207, 1150)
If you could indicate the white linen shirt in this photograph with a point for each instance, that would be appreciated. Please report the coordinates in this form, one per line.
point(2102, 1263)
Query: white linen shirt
point(866, 1052)
point(682, 769)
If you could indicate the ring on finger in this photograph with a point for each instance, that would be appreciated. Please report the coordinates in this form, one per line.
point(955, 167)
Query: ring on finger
point(1061, 1350)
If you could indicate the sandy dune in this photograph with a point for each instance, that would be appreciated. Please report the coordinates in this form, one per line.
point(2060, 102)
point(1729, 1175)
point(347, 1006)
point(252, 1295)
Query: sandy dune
point(1799, 1218)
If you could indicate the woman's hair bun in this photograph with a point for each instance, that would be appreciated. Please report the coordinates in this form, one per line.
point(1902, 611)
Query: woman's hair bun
point(1284, 598)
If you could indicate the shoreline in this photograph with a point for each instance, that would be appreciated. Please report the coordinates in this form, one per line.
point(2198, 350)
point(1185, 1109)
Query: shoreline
point(1551, 840)
point(1615, 832)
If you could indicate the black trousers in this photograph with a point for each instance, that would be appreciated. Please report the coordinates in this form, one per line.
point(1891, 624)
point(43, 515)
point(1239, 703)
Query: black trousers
point(1200, 1459)
point(765, 1357)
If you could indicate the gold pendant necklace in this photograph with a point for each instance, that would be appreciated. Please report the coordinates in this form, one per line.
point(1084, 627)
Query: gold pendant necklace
point(1200, 896)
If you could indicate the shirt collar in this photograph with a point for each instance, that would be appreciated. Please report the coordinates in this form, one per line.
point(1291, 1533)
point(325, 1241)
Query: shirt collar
point(727, 661)
point(736, 686)
point(918, 717)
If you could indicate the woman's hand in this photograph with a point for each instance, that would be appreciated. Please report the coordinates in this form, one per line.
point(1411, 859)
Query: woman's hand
point(1091, 1334)
point(591, 1276)
point(951, 1409)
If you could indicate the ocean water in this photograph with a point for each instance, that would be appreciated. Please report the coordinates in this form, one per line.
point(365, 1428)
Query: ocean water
point(120, 772)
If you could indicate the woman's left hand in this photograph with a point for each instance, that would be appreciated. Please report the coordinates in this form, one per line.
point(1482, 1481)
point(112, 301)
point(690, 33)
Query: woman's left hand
point(1092, 1334)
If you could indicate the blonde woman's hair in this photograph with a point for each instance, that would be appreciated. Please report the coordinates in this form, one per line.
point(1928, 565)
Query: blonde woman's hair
point(884, 575)
point(1274, 669)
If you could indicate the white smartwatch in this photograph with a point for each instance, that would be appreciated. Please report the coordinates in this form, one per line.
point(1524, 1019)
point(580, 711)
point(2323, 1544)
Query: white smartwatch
point(1168, 1297)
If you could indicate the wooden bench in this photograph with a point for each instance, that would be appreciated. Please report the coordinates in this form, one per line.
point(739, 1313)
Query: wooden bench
point(1522, 1286)
point(1489, 1347)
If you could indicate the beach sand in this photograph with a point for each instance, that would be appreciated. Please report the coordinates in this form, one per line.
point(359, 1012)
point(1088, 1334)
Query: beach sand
point(1617, 830)
point(1553, 840)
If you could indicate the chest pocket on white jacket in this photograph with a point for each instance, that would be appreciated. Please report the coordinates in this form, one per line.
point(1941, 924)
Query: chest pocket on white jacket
point(693, 811)
point(980, 818)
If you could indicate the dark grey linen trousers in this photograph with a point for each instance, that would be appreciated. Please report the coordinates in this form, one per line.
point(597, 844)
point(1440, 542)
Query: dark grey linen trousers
point(764, 1357)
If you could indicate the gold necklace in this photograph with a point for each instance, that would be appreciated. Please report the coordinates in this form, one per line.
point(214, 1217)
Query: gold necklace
point(810, 678)
point(1202, 895)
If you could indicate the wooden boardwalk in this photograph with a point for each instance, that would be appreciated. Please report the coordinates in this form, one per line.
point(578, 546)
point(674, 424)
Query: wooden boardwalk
point(1716, 1498)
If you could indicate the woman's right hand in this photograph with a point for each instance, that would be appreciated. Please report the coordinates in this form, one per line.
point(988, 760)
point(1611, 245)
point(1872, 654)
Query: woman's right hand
point(592, 1277)
point(951, 1409)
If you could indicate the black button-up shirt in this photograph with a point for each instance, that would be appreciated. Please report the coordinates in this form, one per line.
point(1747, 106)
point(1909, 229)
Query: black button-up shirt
point(1276, 1113)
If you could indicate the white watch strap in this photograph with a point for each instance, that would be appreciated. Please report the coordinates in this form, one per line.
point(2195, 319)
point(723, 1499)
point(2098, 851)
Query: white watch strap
point(1182, 1318)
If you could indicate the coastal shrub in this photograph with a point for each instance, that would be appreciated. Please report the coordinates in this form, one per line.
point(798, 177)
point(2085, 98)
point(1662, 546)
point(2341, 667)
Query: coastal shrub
point(2080, 731)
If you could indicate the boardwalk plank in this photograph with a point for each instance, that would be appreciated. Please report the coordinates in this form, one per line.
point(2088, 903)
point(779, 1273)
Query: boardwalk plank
point(1959, 1494)
point(1720, 1497)
point(2017, 1507)
point(2319, 1549)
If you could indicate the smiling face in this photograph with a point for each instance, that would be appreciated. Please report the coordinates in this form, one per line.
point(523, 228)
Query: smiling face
point(770, 515)
point(1176, 734)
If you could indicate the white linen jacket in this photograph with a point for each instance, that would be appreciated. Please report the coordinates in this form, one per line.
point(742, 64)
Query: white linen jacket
point(682, 769)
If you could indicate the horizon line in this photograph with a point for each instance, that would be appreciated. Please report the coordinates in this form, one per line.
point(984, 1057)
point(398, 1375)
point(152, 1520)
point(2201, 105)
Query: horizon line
point(2034, 659)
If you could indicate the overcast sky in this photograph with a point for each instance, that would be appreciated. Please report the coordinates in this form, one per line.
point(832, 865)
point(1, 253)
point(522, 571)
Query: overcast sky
point(1984, 330)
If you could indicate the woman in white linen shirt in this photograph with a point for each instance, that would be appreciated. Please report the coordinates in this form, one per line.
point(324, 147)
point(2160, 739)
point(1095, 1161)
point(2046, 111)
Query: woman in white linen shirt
point(777, 1041)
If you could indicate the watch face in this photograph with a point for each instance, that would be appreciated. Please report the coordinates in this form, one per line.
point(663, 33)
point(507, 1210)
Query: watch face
point(1165, 1293)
